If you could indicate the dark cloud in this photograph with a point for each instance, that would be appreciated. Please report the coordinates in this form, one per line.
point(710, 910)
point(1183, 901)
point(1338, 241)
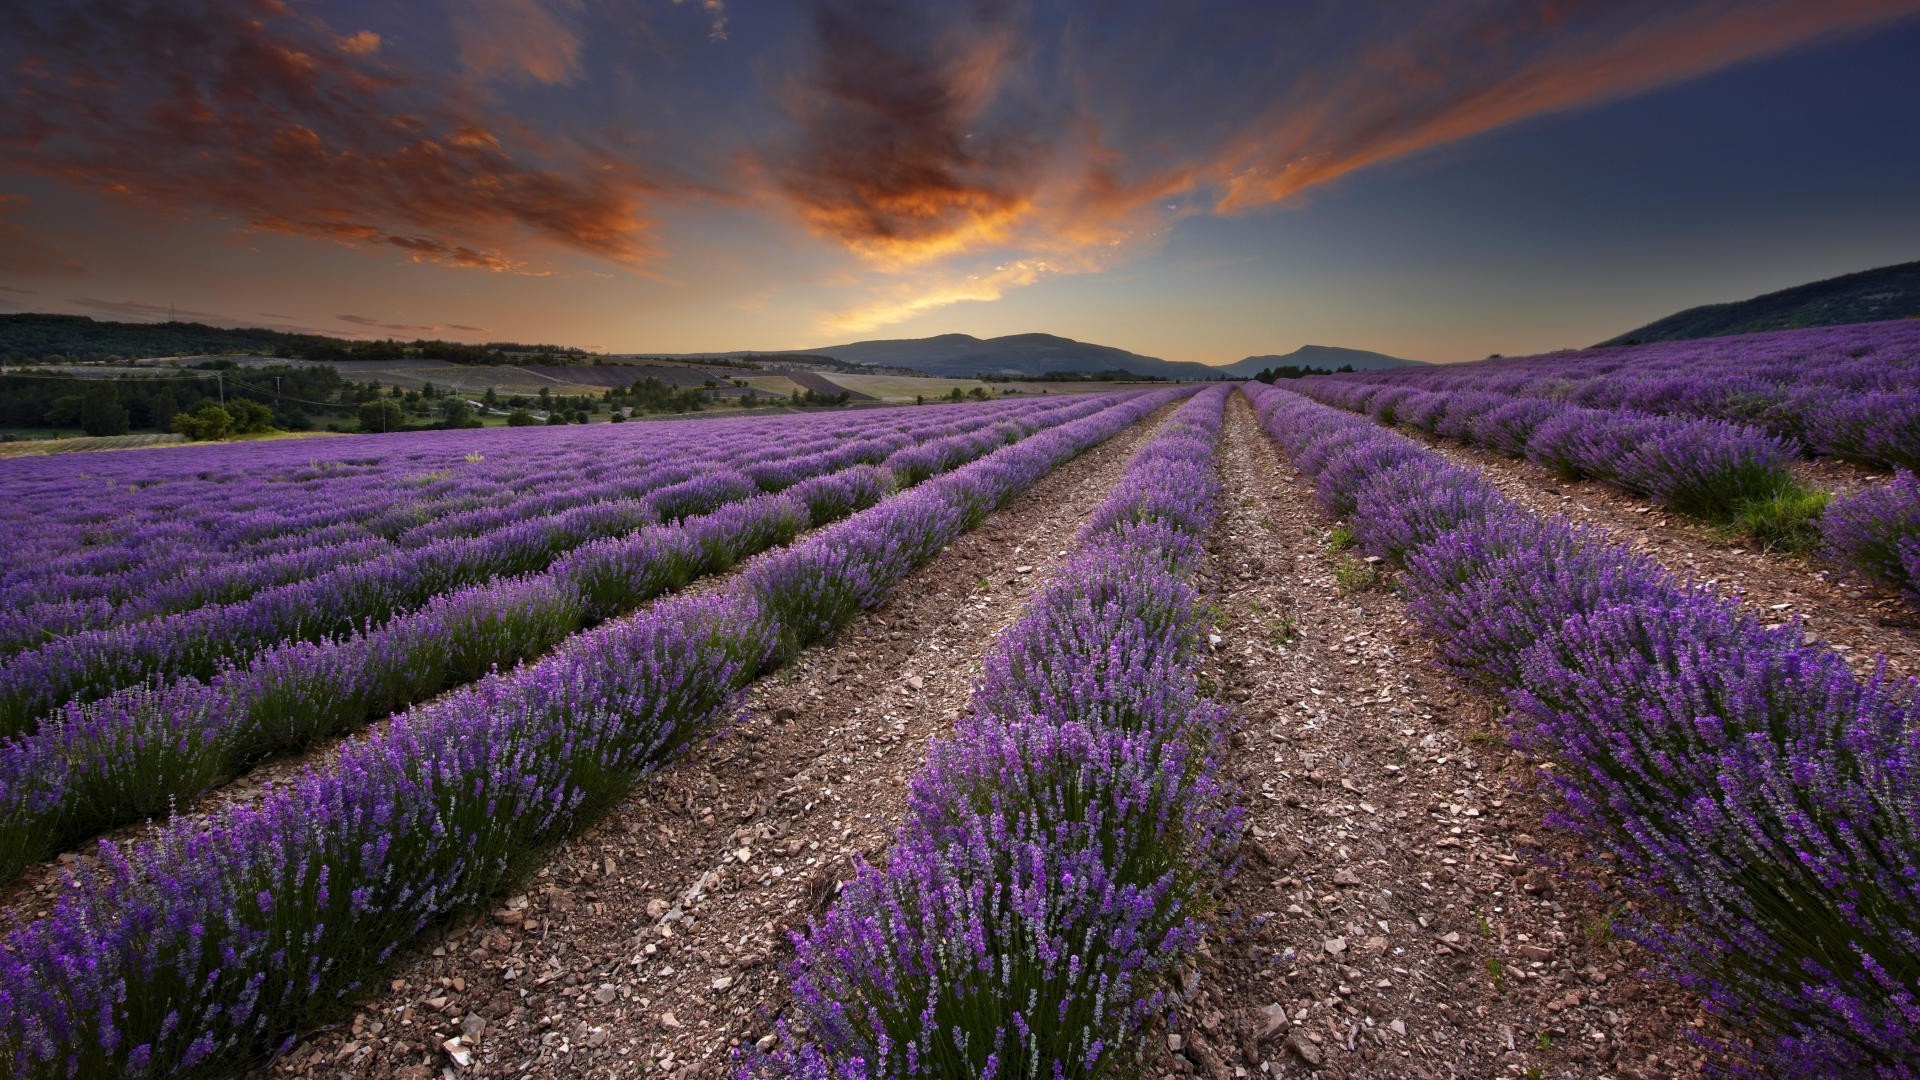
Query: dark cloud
point(141, 311)
point(366, 323)
point(902, 150)
point(255, 111)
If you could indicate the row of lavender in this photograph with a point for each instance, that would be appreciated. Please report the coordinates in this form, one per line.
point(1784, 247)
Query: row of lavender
point(1760, 802)
point(137, 752)
point(186, 542)
point(84, 526)
point(201, 641)
point(1721, 471)
point(1697, 466)
point(1065, 844)
point(217, 938)
point(1843, 391)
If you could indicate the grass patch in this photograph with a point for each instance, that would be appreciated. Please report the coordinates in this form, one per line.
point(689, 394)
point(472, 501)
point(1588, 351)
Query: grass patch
point(1355, 576)
point(1785, 519)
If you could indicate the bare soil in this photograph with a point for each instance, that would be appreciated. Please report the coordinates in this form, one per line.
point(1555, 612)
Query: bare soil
point(657, 940)
point(1397, 911)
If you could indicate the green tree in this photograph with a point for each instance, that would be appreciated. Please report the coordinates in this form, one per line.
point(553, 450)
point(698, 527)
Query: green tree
point(64, 411)
point(249, 417)
point(490, 399)
point(102, 413)
point(382, 416)
point(457, 412)
point(521, 418)
point(208, 422)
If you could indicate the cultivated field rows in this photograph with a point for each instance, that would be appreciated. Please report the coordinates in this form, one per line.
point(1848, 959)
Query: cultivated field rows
point(1357, 867)
point(153, 747)
point(607, 962)
point(497, 772)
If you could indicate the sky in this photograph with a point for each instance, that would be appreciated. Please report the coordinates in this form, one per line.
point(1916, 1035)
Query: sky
point(1190, 179)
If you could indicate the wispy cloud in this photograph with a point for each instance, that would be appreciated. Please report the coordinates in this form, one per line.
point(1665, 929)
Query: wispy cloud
point(366, 323)
point(142, 311)
point(1451, 77)
point(930, 149)
point(279, 123)
point(716, 18)
point(515, 39)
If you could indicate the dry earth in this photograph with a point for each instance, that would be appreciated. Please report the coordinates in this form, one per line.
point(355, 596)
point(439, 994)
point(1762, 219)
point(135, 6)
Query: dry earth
point(1395, 913)
point(658, 939)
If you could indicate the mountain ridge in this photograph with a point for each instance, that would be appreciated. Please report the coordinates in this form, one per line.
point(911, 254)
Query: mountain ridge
point(1884, 292)
point(1033, 355)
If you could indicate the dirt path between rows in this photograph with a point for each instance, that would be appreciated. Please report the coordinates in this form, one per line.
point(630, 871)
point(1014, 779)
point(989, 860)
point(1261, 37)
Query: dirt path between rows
point(1862, 622)
point(657, 941)
point(1393, 915)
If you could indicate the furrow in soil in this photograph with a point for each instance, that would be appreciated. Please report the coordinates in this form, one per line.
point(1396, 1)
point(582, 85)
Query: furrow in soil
point(657, 941)
point(1399, 910)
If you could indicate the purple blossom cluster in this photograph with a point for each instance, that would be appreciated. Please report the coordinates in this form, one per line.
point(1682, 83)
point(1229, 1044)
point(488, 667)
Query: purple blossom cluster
point(132, 754)
point(1699, 466)
point(1875, 532)
point(1064, 845)
point(1842, 391)
point(1760, 800)
point(219, 936)
point(466, 548)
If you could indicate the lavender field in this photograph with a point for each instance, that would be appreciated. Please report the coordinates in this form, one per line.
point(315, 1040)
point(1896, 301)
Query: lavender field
point(1219, 730)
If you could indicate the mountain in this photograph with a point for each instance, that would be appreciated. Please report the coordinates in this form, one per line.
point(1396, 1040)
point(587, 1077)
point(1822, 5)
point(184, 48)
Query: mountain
point(1031, 355)
point(964, 356)
point(1890, 292)
point(1325, 357)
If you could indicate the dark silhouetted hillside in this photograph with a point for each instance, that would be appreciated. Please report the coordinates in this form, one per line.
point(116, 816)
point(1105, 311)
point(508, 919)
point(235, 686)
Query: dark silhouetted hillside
point(1891, 292)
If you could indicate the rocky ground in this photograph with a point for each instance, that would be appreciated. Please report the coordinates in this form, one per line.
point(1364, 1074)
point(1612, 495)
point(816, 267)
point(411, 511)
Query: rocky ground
point(1862, 622)
point(1397, 911)
point(657, 941)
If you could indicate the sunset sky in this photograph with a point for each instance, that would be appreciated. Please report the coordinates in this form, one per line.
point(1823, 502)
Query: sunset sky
point(1191, 179)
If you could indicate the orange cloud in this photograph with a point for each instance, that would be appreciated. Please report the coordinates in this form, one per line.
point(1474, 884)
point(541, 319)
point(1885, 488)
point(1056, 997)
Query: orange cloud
point(517, 39)
point(364, 43)
point(279, 126)
point(1445, 82)
point(925, 141)
point(914, 298)
point(892, 159)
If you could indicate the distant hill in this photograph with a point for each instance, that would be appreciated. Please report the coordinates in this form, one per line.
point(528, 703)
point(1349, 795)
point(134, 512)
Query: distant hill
point(1890, 292)
point(1325, 357)
point(33, 336)
point(966, 356)
point(1039, 355)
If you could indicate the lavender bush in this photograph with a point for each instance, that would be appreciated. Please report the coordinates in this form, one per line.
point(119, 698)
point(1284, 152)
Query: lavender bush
point(104, 766)
point(1875, 533)
point(1760, 800)
point(217, 937)
point(1063, 844)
